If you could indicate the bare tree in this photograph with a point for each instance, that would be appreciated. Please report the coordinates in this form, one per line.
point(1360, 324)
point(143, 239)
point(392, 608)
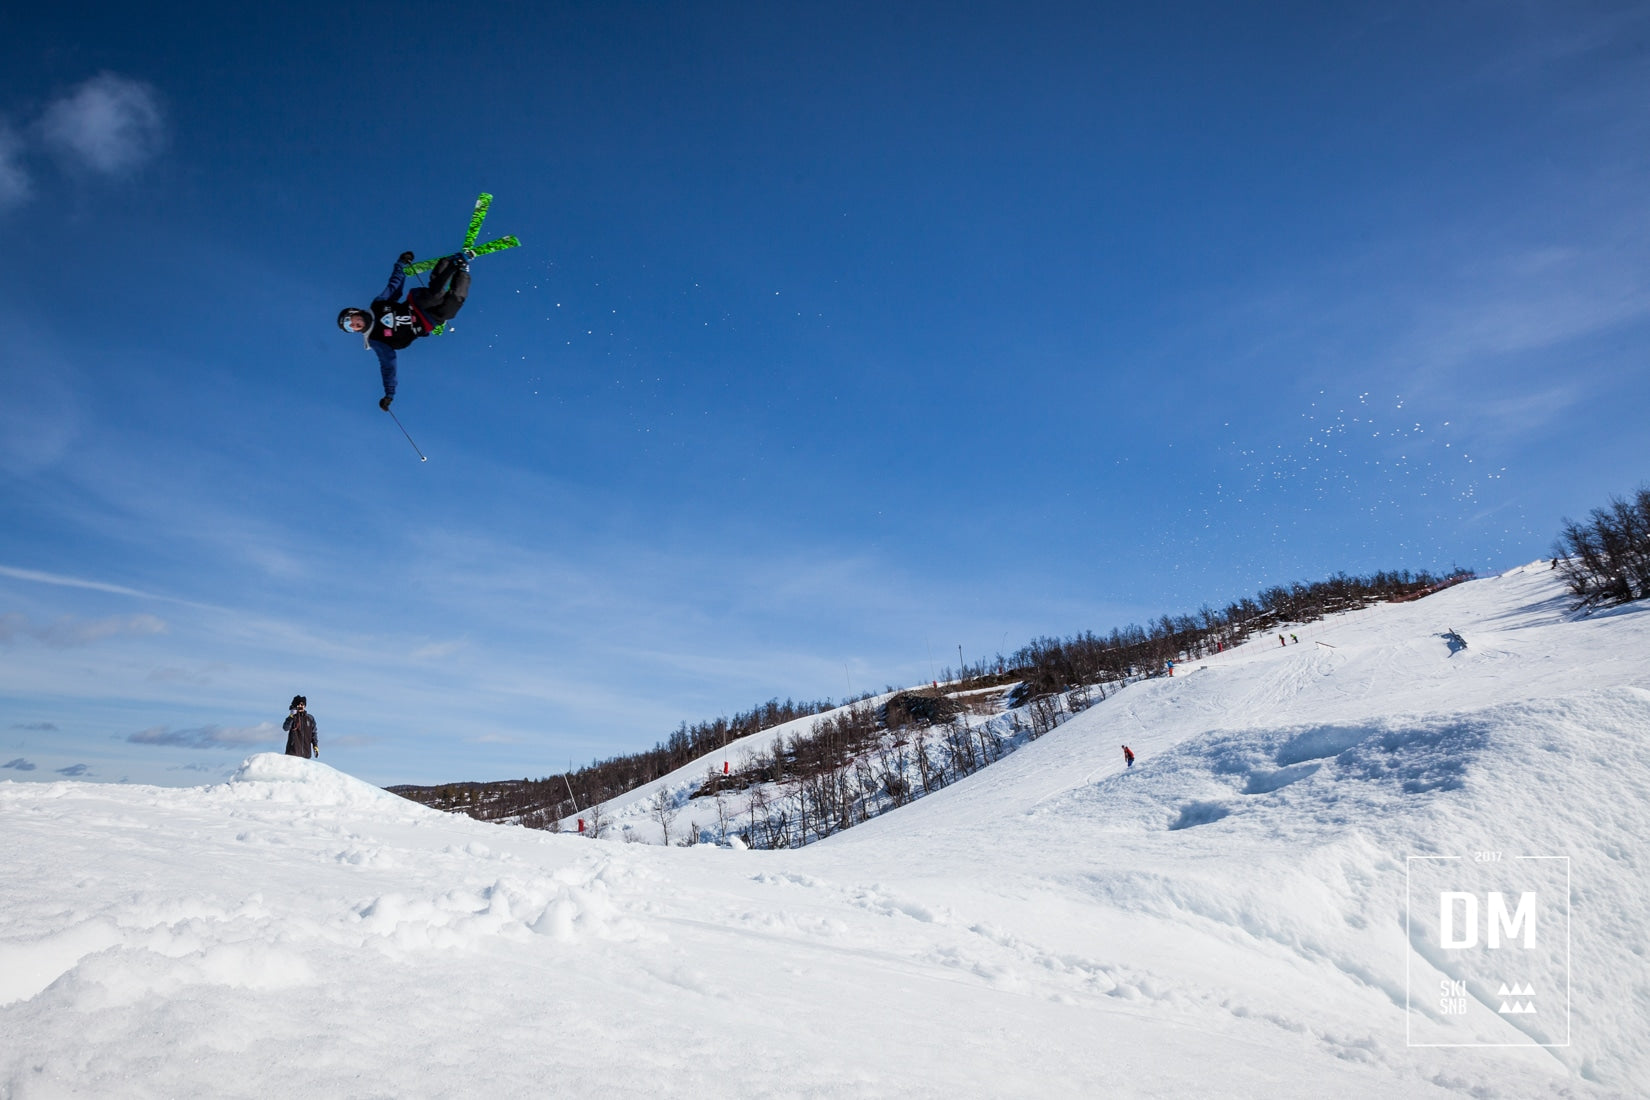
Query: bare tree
point(722, 815)
point(758, 810)
point(664, 811)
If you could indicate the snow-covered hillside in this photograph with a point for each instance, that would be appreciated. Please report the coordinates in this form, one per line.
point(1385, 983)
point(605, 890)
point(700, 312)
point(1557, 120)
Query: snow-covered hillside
point(1230, 917)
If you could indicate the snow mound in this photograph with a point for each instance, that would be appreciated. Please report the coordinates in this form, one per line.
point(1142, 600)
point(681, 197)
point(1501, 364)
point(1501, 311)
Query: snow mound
point(275, 777)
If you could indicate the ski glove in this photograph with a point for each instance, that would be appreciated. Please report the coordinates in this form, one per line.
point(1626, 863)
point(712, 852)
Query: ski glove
point(404, 258)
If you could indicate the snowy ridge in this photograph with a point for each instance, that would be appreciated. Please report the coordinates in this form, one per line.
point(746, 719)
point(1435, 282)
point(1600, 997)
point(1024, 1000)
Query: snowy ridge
point(1226, 918)
point(632, 809)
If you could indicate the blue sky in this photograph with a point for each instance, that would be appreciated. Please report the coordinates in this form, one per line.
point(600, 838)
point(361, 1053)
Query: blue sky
point(840, 337)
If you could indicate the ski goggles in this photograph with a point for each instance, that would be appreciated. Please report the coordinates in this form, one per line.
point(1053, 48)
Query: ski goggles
point(347, 322)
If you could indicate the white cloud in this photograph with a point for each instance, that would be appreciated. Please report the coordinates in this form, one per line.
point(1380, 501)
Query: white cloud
point(202, 675)
point(63, 581)
point(14, 180)
point(110, 125)
point(437, 650)
point(495, 739)
point(208, 737)
point(69, 631)
point(69, 582)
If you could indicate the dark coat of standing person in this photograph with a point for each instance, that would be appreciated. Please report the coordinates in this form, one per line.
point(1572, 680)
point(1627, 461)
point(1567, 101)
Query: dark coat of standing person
point(300, 730)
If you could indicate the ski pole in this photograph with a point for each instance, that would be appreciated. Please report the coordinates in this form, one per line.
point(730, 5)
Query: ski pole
point(404, 432)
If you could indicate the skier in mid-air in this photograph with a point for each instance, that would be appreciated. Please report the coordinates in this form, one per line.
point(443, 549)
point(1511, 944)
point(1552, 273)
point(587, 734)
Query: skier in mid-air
point(392, 323)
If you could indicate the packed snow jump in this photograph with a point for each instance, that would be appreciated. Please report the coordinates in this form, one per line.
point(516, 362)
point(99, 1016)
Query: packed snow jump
point(391, 323)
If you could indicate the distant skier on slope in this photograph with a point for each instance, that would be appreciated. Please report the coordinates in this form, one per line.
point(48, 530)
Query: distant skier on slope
point(1128, 756)
point(391, 323)
point(300, 730)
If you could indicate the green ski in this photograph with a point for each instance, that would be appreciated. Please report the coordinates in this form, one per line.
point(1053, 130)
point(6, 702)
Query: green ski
point(498, 245)
point(484, 202)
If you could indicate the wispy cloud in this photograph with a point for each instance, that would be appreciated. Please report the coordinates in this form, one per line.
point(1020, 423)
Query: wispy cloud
point(14, 179)
point(1565, 35)
point(494, 739)
point(201, 676)
point(36, 727)
point(207, 737)
point(74, 771)
point(437, 650)
point(19, 764)
point(41, 417)
point(1524, 300)
point(73, 582)
point(68, 631)
point(109, 125)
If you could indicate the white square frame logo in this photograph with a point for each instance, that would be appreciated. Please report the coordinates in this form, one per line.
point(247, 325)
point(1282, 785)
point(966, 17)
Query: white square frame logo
point(1470, 873)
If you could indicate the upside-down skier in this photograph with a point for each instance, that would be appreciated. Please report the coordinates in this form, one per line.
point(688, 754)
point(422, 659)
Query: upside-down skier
point(392, 323)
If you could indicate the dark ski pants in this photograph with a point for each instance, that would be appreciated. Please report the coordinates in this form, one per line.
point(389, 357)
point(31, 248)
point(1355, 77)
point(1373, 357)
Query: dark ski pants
point(444, 297)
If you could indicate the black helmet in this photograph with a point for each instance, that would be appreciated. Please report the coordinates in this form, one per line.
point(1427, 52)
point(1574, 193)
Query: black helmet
point(296, 701)
point(350, 311)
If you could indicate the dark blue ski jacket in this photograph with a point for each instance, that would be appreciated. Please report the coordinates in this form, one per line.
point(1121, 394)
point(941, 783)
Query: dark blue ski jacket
point(395, 324)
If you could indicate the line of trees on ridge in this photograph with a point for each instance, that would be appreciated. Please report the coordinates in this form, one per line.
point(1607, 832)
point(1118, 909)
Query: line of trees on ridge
point(1606, 561)
point(1053, 675)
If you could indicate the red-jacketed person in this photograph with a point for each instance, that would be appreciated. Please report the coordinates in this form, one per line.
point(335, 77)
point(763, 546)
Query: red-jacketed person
point(1128, 756)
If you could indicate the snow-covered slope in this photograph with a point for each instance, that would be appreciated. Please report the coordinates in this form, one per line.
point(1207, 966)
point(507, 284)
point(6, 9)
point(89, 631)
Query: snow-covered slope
point(632, 810)
point(1226, 918)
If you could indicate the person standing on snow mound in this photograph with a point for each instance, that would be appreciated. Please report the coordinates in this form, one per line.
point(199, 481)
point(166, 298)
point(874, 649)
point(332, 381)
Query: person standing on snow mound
point(1128, 756)
point(300, 730)
point(390, 324)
